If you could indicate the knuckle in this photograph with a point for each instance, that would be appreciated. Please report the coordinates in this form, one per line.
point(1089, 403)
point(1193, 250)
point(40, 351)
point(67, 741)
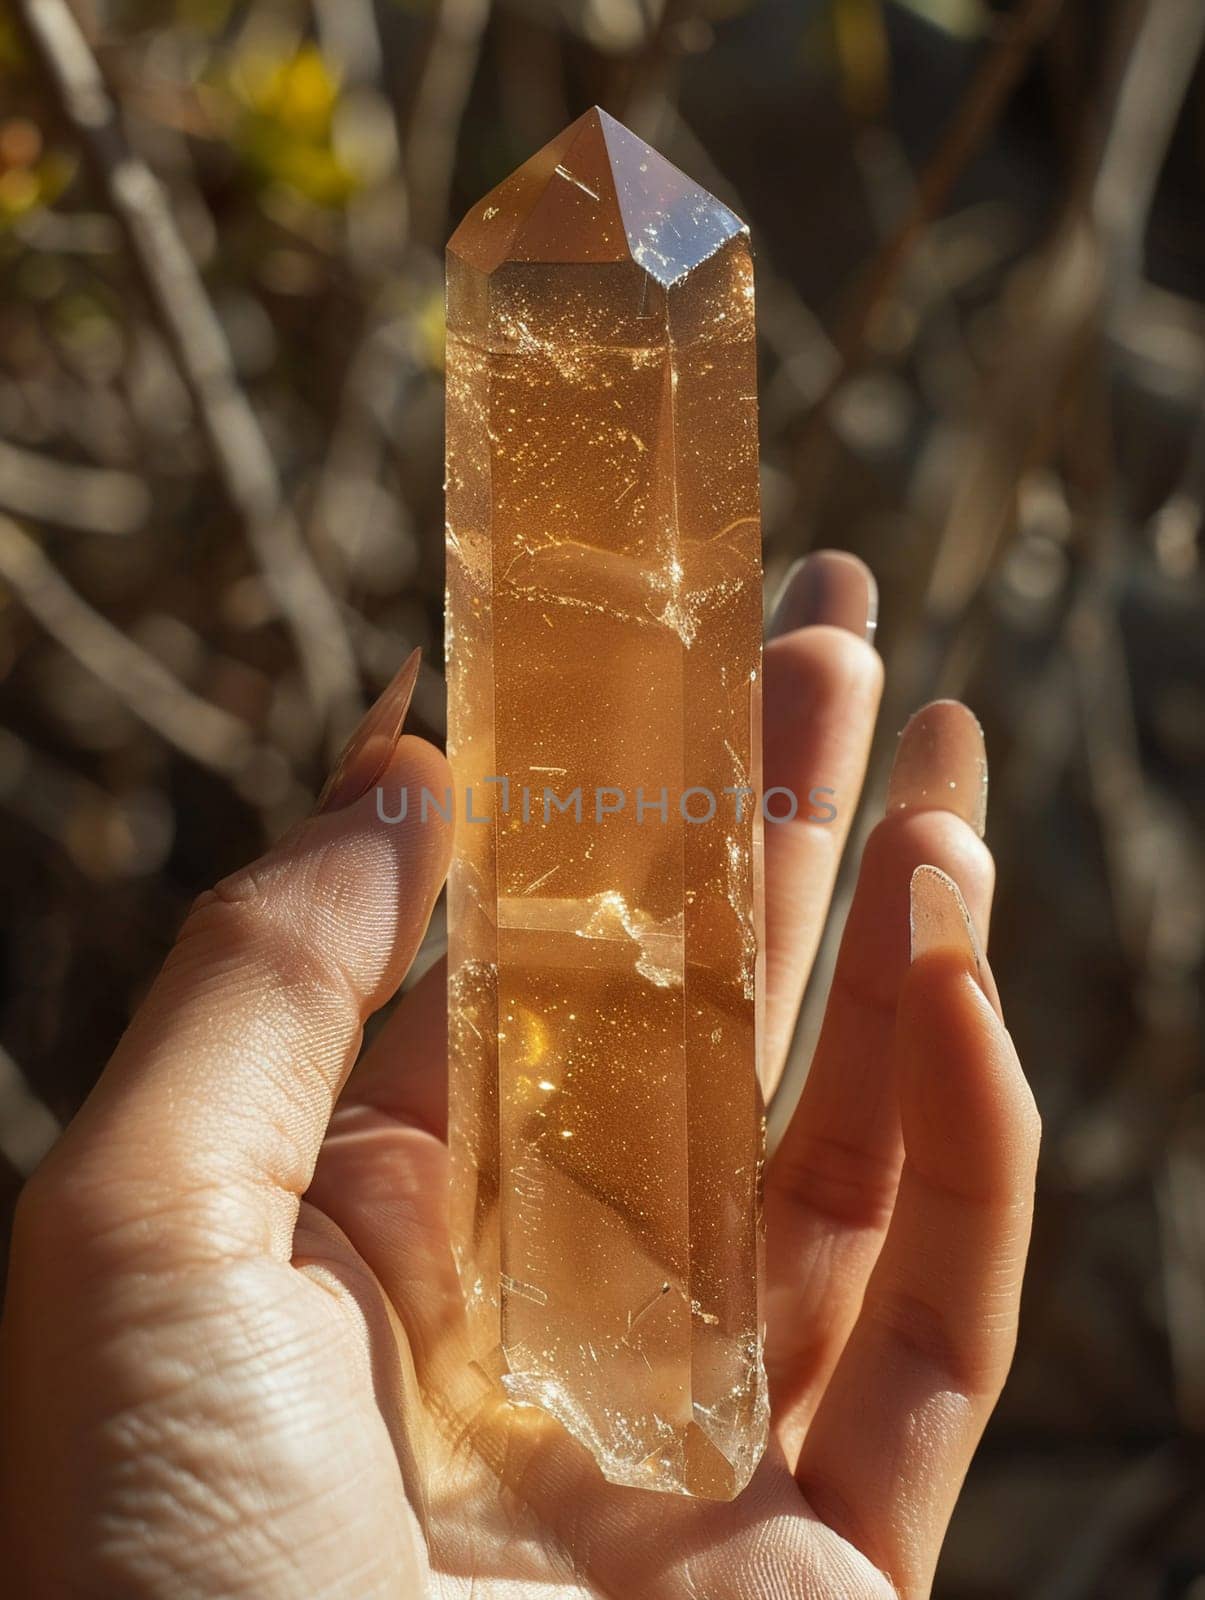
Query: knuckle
point(835, 1180)
point(247, 894)
point(283, 918)
point(874, 993)
point(904, 839)
point(971, 1357)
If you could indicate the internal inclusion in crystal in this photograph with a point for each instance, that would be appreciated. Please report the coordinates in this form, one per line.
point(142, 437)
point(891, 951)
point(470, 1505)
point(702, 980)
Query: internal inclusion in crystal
point(604, 624)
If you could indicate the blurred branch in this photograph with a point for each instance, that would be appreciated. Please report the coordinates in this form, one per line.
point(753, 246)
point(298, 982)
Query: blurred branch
point(1160, 337)
point(1018, 426)
point(437, 112)
point(1124, 812)
point(648, 100)
point(1176, 526)
point(974, 119)
point(236, 440)
point(380, 369)
point(92, 499)
point(348, 30)
point(80, 233)
point(1153, 89)
point(923, 285)
point(202, 731)
point(28, 1127)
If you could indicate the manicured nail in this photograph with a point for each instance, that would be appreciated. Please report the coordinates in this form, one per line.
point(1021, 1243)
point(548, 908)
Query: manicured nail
point(370, 749)
point(941, 765)
point(939, 919)
point(828, 586)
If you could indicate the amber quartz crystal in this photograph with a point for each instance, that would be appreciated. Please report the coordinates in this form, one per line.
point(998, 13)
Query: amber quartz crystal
point(604, 655)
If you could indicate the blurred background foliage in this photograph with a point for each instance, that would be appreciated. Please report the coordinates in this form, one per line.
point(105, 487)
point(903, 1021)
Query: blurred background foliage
point(981, 254)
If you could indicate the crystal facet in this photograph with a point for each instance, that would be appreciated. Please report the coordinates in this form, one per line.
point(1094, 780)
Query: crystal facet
point(604, 625)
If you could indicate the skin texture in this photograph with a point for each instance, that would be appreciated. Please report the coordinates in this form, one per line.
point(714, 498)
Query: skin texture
point(231, 1362)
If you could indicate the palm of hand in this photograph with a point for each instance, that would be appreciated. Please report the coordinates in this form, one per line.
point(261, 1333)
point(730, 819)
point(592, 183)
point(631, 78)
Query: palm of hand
point(273, 1399)
point(509, 1504)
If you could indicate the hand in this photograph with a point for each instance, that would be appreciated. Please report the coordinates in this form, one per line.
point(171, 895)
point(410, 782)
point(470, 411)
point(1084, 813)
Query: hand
point(232, 1360)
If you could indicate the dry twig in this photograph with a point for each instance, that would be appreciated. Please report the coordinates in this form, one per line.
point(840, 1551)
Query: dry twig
point(437, 111)
point(91, 499)
point(202, 731)
point(1153, 89)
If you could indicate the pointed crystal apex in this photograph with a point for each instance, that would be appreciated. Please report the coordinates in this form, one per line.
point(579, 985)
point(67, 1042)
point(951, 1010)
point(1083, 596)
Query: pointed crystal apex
point(597, 193)
point(672, 224)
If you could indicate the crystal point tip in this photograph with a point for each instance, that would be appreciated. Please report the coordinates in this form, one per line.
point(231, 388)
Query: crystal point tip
point(595, 193)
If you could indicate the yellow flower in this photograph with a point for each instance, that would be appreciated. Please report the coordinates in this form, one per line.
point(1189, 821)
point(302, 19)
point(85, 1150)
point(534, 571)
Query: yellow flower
point(285, 123)
point(298, 93)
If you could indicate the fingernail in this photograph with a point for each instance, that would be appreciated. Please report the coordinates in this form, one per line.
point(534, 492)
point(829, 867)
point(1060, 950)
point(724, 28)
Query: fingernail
point(941, 765)
point(368, 752)
point(939, 919)
point(828, 586)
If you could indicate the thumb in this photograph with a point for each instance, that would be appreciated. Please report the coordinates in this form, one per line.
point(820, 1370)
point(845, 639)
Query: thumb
point(214, 1106)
